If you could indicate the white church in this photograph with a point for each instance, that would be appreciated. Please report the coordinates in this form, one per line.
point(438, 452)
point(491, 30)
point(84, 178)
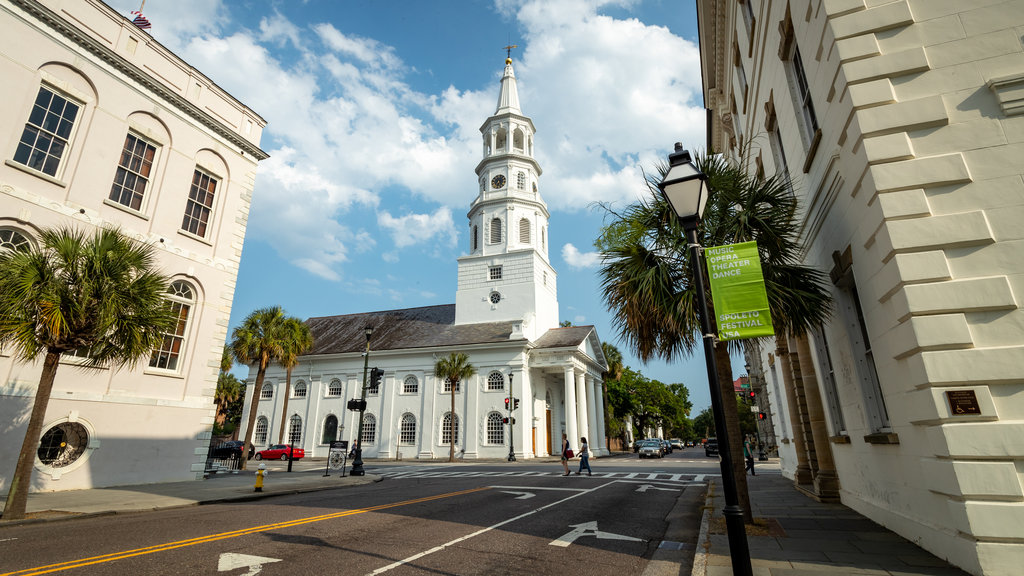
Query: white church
point(505, 318)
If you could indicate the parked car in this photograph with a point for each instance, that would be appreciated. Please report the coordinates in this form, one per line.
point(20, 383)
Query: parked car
point(666, 446)
point(650, 449)
point(280, 452)
point(230, 450)
point(711, 447)
point(677, 443)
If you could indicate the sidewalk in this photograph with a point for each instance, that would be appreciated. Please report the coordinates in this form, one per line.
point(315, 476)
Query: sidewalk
point(804, 538)
point(43, 506)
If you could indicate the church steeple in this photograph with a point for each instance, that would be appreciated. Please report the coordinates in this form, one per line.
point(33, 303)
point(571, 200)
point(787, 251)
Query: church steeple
point(507, 275)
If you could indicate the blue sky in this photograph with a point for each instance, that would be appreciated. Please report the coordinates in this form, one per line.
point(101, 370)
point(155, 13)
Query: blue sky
point(374, 109)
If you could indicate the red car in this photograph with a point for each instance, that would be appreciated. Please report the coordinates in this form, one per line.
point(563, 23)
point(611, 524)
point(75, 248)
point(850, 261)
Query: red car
point(280, 452)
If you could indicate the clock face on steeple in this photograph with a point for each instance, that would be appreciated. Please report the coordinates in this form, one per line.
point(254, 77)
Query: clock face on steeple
point(498, 182)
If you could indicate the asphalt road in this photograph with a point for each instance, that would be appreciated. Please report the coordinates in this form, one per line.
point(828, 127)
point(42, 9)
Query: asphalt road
point(514, 518)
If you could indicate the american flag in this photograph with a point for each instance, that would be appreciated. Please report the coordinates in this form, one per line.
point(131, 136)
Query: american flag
point(141, 21)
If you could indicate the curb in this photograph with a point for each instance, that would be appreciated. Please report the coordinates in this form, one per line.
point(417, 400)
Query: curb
point(703, 552)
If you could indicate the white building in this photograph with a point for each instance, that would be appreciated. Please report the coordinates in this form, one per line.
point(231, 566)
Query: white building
point(901, 125)
point(102, 126)
point(505, 317)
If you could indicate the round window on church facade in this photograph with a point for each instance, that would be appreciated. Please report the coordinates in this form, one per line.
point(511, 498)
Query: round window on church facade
point(63, 444)
point(495, 297)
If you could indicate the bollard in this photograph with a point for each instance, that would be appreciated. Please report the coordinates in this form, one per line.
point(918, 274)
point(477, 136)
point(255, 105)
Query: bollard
point(260, 474)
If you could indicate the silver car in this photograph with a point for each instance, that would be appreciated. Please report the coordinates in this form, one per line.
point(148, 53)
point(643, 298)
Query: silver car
point(650, 449)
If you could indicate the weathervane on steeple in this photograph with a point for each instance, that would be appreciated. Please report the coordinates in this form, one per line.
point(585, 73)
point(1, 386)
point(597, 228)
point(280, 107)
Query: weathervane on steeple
point(508, 51)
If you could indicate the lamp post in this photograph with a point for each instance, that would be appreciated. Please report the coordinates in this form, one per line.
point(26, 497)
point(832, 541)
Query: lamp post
point(511, 422)
point(357, 464)
point(757, 419)
point(685, 189)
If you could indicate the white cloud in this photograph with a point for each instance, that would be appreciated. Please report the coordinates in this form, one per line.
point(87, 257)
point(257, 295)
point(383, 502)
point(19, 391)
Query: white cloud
point(579, 260)
point(420, 229)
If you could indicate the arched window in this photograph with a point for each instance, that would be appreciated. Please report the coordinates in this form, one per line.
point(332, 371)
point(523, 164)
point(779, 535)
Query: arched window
point(544, 238)
point(407, 430)
point(180, 297)
point(517, 139)
point(495, 429)
point(295, 429)
point(330, 430)
point(267, 392)
point(521, 180)
point(448, 386)
point(260, 437)
point(446, 428)
point(501, 139)
point(369, 435)
point(495, 381)
point(63, 444)
point(334, 388)
point(495, 230)
point(524, 231)
point(11, 239)
point(476, 238)
point(300, 390)
point(411, 385)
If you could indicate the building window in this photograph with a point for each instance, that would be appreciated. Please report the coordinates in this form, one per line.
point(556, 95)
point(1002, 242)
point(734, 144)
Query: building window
point(746, 6)
point(200, 204)
point(544, 238)
point(476, 238)
point(449, 426)
point(828, 380)
point(775, 142)
point(545, 278)
point(267, 392)
point(448, 385)
point(521, 180)
point(411, 385)
point(334, 388)
point(330, 430)
point(407, 430)
point(741, 74)
point(132, 174)
point(518, 139)
point(47, 132)
point(260, 437)
point(295, 429)
point(495, 381)
point(63, 444)
point(180, 298)
point(495, 429)
point(810, 121)
point(494, 273)
point(524, 231)
point(300, 390)
point(369, 435)
point(495, 231)
point(11, 239)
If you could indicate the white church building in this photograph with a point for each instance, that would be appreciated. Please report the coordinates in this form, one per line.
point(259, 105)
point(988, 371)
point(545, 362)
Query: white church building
point(505, 318)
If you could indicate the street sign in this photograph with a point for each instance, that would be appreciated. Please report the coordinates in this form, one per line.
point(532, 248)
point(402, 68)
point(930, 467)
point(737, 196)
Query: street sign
point(737, 289)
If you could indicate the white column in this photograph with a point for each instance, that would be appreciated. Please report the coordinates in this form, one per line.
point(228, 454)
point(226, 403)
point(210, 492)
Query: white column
point(581, 406)
point(601, 430)
point(591, 414)
point(570, 409)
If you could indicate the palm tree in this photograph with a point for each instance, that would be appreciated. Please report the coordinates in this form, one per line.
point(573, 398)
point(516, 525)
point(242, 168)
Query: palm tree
point(299, 340)
point(613, 358)
point(228, 390)
point(98, 294)
point(453, 368)
point(647, 278)
point(260, 340)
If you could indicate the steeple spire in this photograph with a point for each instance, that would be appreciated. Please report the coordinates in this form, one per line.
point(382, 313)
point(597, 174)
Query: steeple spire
point(508, 99)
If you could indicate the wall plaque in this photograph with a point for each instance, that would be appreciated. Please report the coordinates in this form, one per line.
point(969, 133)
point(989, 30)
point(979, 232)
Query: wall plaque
point(963, 402)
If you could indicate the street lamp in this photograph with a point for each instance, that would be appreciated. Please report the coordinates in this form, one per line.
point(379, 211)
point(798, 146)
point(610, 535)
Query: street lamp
point(357, 464)
point(685, 189)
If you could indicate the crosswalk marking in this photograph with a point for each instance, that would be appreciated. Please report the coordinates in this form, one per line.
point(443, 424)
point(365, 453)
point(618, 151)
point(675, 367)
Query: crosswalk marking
point(635, 476)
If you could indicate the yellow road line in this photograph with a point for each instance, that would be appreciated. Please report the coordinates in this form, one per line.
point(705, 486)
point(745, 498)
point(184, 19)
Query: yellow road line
point(224, 535)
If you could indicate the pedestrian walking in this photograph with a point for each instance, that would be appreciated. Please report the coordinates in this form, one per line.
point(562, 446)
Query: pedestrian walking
point(565, 454)
point(584, 457)
point(748, 453)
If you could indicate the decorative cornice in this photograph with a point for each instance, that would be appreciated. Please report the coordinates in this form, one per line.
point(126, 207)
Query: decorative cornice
point(63, 27)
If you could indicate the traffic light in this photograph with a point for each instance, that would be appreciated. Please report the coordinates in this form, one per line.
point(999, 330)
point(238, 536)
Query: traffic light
point(504, 420)
point(375, 375)
point(506, 403)
point(515, 404)
point(761, 415)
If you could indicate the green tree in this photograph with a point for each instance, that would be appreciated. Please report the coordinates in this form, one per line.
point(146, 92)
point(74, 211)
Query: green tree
point(99, 294)
point(453, 368)
point(260, 339)
point(613, 358)
point(647, 278)
point(565, 323)
point(230, 391)
point(704, 424)
point(298, 340)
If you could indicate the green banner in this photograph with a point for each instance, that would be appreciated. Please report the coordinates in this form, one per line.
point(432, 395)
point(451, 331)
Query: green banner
point(737, 288)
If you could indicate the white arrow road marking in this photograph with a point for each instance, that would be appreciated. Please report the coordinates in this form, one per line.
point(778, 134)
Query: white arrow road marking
point(589, 529)
point(230, 561)
point(646, 487)
point(522, 495)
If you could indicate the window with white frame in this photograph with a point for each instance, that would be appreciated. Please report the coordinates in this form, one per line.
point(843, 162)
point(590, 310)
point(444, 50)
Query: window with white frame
point(11, 239)
point(180, 297)
point(746, 6)
point(407, 430)
point(448, 385)
point(775, 142)
point(133, 171)
point(267, 392)
point(524, 231)
point(495, 231)
point(47, 133)
point(330, 433)
point(741, 74)
point(521, 180)
point(199, 208)
point(369, 435)
point(476, 237)
point(295, 429)
point(495, 429)
point(262, 425)
point(828, 380)
point(494, 273)
point(809, 120)
point(299, 391)
point(449, 427)
point(410, 385)
point(495, 381)
point(334, 388)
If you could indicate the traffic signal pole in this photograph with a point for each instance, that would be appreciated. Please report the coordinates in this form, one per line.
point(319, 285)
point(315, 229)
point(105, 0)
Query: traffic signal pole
point(511, 422)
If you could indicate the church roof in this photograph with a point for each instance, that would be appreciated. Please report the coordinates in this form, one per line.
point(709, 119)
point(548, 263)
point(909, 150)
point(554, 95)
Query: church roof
point(424, 327)
point(570, 336)
point(508, 98)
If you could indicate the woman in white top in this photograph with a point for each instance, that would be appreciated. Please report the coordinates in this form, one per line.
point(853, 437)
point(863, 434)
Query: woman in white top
point(584, 457)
